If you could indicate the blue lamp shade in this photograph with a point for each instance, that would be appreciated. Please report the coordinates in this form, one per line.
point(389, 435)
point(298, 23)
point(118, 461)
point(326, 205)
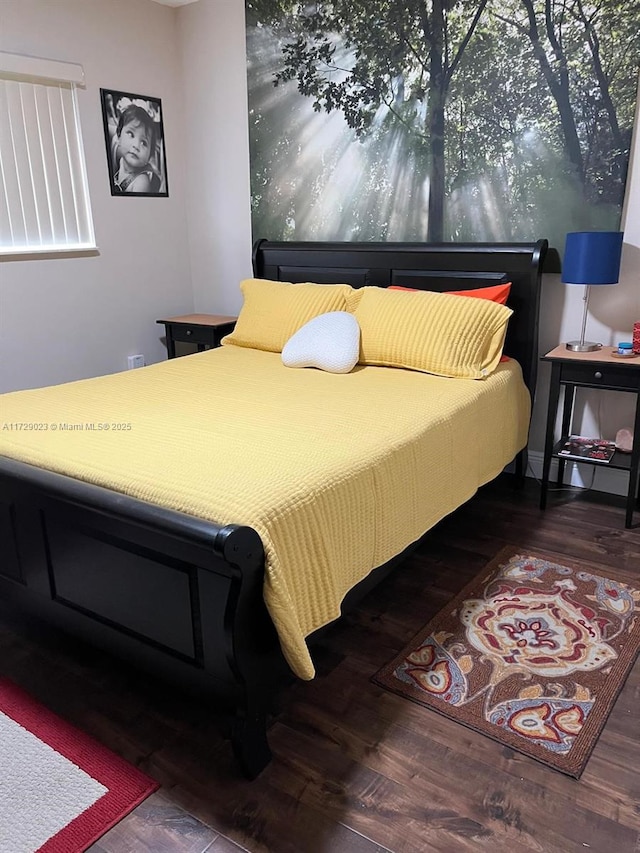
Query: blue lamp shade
point(592, 257)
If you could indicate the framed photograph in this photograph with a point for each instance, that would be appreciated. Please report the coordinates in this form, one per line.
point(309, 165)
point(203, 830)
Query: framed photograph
point(134, 135)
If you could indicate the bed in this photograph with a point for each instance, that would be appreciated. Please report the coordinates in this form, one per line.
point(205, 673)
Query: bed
point(176, 570)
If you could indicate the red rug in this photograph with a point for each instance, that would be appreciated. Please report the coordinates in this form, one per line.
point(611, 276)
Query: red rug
point(532, 653)
point(60, 790)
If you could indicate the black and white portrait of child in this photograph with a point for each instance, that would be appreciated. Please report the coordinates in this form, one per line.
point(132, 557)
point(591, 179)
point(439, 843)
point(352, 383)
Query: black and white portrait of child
point(135, 144)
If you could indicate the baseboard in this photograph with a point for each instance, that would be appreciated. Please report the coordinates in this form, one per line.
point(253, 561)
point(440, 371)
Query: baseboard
point(610, 480)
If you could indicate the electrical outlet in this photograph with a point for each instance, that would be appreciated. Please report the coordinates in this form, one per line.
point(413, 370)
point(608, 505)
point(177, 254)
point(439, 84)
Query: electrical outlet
point(135, 361)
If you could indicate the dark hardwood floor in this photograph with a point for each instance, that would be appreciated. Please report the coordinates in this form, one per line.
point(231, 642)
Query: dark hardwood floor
point(357, 769)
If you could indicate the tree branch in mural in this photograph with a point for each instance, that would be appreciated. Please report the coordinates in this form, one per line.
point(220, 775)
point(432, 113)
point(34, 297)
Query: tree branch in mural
point(390, 50)
point(476, 119)
point(557, 80)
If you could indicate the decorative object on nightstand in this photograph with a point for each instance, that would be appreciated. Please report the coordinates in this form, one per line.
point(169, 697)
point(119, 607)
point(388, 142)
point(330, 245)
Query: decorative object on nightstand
point(571, 370)
point(624, 440)
point(624, 350)
point(202, 330)
point(591, 258)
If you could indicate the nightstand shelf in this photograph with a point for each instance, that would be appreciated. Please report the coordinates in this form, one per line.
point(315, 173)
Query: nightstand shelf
point(593, 370)
point(621, 461)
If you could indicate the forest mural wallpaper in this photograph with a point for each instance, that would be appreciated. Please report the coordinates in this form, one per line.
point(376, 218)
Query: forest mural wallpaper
point(430, 120)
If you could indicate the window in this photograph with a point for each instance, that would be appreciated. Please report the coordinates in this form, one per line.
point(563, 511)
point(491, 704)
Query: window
point(44, 196)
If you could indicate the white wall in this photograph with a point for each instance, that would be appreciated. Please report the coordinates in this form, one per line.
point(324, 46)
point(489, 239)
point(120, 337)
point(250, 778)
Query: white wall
point(64, 319)
point(212, 41)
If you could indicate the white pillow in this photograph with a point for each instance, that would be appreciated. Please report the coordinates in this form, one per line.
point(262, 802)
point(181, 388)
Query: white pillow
point(330, 342)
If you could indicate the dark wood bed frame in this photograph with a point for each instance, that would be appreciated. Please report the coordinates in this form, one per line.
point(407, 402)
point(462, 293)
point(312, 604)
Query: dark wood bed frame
point(182, 596)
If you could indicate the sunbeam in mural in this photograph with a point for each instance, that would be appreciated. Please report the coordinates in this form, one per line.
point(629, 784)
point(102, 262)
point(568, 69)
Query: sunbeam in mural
point(430, 120)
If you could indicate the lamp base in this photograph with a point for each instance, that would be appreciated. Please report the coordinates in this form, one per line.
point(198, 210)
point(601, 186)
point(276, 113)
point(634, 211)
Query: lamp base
point(583, 346)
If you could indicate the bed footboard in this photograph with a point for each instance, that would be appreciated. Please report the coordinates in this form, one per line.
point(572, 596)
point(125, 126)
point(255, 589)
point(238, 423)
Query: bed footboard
point(175, 594)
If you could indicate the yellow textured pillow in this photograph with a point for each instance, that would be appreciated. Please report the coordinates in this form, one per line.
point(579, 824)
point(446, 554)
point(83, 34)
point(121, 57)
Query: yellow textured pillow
point(438, 333)
point(274, 310)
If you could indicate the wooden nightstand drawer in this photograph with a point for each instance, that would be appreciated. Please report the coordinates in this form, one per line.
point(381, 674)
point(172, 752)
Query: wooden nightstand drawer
point(605, 375)
point(194, 334)
point(202, 330)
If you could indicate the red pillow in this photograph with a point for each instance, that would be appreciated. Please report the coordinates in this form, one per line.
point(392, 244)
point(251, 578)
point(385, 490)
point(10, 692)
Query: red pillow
point(496, 293)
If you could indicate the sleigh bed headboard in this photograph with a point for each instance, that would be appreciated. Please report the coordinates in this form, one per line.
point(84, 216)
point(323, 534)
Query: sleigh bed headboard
point(425, 266)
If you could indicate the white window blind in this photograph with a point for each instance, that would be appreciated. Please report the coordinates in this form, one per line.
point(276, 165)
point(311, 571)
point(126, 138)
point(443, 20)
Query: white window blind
point(44, 196)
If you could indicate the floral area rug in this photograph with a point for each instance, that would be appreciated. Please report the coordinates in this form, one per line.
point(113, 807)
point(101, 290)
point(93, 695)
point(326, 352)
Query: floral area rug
point(532, 653)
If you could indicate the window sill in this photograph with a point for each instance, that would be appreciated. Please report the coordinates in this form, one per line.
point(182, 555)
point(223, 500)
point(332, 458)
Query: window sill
point(31, 253)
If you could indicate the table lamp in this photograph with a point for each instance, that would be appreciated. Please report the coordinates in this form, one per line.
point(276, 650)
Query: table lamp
point(591, 257)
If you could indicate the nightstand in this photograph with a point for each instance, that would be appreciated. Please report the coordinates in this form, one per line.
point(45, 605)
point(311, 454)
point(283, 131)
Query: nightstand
point(202, 330)
point(599, 369)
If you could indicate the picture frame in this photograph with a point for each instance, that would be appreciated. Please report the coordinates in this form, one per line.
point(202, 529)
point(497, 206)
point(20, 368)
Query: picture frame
point(134, 137)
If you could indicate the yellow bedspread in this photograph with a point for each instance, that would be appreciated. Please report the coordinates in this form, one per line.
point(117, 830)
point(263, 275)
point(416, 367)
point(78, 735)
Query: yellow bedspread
point(337, 473)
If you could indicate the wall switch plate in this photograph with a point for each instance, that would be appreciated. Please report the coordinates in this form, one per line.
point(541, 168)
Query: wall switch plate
point(134, 361)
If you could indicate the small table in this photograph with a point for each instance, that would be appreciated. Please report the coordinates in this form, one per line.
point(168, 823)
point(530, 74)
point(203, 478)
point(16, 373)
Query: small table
point(203, 330)
point(600, 369)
